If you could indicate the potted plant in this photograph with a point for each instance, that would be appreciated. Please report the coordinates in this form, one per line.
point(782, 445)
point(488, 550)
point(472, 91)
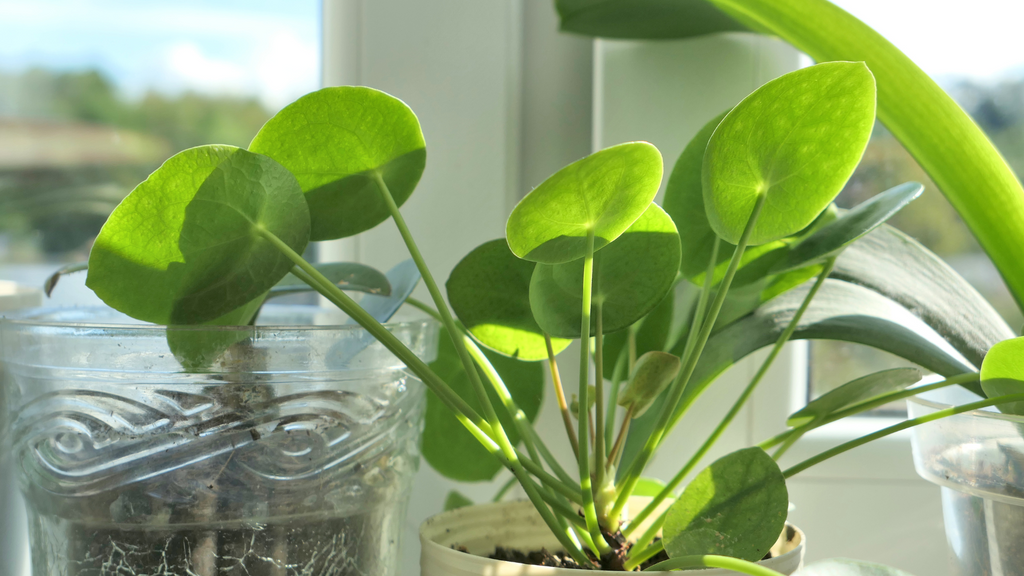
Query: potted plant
point(974, 455)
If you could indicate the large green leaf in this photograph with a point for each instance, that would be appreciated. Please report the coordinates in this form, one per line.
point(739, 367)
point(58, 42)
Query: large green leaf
point(643, 18)
point(1002, 373)
point(346, 275)
point(447, 445)
point(845, 567)
point(188, 245)
point(334, 140)
point(895, 265)
point(736, 507)
point(849, 227)
point(795, 140)
point(627, 286)
point(854, 392)
point(603, 193)
point(489, 290)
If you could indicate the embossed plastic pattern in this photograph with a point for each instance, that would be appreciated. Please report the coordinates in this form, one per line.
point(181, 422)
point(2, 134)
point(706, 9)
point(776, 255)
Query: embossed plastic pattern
point(277, 459)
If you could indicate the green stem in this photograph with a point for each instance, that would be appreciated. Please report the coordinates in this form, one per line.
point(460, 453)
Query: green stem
point(583, 420)
point(898, 427)
point(642, 556)
point(599, 445)
point(631, 346)
point(613, 396)
point(702, 301)
point(711, 561)
point(563, 407)
point(500, 447)
point(679, 385)
point(865, 406)
point(616, 453)
point(435, 293)
point(737, 405)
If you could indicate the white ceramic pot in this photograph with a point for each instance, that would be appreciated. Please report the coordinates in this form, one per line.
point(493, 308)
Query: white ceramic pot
point(480, 528)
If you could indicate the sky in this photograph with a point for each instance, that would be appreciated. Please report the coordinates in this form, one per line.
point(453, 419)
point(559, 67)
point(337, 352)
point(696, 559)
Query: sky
point(270, 48)
point(265, 48)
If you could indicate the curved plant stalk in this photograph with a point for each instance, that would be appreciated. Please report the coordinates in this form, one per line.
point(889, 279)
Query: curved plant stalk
point(677, 388)
point(712, 561)
point(864, 407)
point(504, 489)
point(951, 148)
point(563, 407)
point(599, 444)
point(500, 447)
point(583, 418)
point(613, 396)
point(730, 415)
point(789, 472)
point(635, 560)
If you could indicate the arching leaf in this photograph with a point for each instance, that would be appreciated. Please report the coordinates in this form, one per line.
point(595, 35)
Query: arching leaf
point(627, 285)
point(334, 140)
point(1002, 373)
point(346, 275)
point(604, 193)
point(736, 507)
point(796, 140)
point(854, 392)
point(188, 245)
point(643, 18)
point(489, 290)
point(849, 227)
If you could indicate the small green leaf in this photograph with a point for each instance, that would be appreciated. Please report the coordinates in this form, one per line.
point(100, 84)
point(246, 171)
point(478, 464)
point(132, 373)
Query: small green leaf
point(574, 402)
point(855, 392)
point(447, 445)
point(489, 290)
point(334, 140)
point(1002, 373)
point(849, 227)
point(188, 246)
point(846, 567)
point(653, 372)
point(627, 286)
point(346, 275)
point(455, 500)
point(51, 281)
point(735, 507)
point(653, 334)
point(796, 140)
point(603, 193)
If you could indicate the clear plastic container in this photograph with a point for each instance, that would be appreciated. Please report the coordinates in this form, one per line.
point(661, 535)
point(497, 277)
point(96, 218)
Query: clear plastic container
point(977, 458)
point(290, 453)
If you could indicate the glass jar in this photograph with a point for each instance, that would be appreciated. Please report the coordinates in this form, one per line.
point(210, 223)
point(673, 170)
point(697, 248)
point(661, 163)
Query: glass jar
point(286, 448)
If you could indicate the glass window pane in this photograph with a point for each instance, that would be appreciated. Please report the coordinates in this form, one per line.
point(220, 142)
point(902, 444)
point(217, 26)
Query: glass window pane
point(95, 94)
point(983, 70)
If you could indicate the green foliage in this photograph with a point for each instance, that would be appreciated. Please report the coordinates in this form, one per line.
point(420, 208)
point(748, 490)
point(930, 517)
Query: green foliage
point(337, 141)
point(489, 290)
point(456, 499)
point(643, 18)
point(653, 372)
point(197, 347)
point(446, 445)
point(346, 275)
point(1002, 373)
point(189, 244)
point(855, 392)
point(627, 287)
point(736, 507)
point(653, 334)
point(795, 140)
point(849, 227)
point(602, 194)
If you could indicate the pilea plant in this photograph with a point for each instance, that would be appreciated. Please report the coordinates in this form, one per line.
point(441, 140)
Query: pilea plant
point(586, 256)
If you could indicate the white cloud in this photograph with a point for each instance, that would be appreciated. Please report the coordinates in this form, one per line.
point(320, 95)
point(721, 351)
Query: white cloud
point(287, 67)
point(188, 67)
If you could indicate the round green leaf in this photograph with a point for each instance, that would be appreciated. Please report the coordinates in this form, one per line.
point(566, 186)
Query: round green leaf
point(855, 392)
point(1002, 373)
point(653, 372)
point(447, 445)
point(603, 193)
point(489, 290)
point(456, 499)
point(847, 567)
point(735, 507)
point(334, 140)
point(797, 139)
point(849, 227)
point(188, 245)
point(627, 285)
point(346, 275)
